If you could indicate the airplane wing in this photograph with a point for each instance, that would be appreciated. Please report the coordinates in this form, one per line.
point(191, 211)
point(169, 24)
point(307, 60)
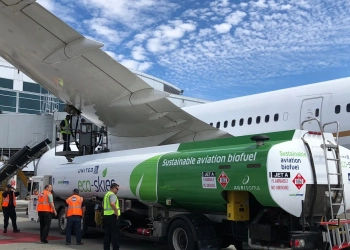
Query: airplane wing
point(78, 72)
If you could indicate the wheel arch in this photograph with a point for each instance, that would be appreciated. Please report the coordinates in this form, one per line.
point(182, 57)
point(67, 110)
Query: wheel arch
point(194, 220)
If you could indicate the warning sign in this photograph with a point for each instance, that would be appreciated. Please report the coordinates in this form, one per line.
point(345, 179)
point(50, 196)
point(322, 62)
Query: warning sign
point(223, 179)
point(208, 180)
point(299, 180)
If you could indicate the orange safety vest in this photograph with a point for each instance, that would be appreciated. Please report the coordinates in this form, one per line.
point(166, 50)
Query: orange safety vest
point(74, 205)
point(5, 201)
point(43, 202)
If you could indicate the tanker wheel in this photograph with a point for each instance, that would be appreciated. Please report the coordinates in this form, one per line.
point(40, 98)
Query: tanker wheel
point(180, 236)
point(62, 221)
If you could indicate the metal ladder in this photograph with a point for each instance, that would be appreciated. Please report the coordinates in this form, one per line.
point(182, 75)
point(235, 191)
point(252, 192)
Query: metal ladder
point(337, 234)
point(340, 187)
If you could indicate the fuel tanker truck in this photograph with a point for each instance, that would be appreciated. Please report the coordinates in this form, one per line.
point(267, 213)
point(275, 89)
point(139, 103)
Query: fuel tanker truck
point(282, 190)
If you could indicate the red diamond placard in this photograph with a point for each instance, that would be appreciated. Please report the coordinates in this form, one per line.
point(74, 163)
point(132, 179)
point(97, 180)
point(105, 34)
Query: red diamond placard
point(223, 179)
point(299, 181)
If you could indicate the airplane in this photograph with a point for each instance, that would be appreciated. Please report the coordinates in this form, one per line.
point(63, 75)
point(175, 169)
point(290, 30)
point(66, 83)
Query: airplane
point(77, 71)
point(283, 109)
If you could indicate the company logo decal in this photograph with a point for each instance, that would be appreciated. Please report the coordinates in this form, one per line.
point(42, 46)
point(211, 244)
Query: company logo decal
point(208, 180)
point(104, 173)
point(245, 180)
point(93, 170)
point(299, 181)
point(295, 195)
point(98, 185)
point(63, 182)
point(96, 170)
point(223, 179)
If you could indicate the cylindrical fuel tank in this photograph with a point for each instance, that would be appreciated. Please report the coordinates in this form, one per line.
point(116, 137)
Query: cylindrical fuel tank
point(196, 176)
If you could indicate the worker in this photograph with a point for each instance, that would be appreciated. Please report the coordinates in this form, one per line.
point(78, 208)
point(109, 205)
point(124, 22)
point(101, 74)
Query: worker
point(9, 208)
point(75, 211)
point(45, 209)
point(66, 132)
point(111, 213)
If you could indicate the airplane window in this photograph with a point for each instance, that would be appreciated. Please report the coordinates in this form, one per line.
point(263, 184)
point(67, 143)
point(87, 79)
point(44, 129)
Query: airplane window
point(211, 124)
point(257, 119)
point(233, 123)
point(275, 118)
point(337, 109)
point(249, 120)
point(241, 121)
point(267, 118)
point(218, 125)
point(348, 108)
point(225, 124)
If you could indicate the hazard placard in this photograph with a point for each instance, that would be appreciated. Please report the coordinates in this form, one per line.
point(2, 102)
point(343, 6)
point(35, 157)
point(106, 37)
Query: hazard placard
point(223, 179)
point(299, 181)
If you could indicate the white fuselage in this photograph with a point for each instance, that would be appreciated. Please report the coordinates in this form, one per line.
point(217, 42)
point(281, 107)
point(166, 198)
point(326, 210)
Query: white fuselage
point(292, 106)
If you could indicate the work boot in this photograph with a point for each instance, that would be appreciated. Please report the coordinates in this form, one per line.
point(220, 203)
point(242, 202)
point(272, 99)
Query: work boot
point(16, 230)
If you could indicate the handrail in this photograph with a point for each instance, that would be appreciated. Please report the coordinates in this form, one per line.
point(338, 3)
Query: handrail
point(328, 123)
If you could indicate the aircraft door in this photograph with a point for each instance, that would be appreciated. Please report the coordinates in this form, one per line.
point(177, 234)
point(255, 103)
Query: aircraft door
point(311, 108)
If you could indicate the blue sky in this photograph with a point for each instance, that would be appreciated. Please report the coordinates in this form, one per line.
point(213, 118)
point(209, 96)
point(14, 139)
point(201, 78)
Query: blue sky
point(219, 49)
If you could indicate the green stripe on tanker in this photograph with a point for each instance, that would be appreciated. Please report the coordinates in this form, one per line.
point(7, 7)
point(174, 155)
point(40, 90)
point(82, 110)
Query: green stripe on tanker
point(196, 176)
point(143, 180)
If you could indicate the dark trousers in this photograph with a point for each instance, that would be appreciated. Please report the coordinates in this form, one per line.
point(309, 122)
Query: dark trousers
point(73, 221)
point(45, 223)
point(111, 232)
point(66, 139)
point(9, 212)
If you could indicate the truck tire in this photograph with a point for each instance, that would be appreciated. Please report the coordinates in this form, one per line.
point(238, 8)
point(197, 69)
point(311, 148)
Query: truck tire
point(62, 221)
point(180, 236)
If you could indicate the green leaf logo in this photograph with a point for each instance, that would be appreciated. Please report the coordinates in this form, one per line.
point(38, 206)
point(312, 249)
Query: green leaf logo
point(104, 173)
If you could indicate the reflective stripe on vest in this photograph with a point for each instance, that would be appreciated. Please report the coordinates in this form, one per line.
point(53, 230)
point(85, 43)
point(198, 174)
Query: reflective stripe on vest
point(6, 200)
point(107, 208)
point(43, 202)
point(74, 205)
point(66, 129)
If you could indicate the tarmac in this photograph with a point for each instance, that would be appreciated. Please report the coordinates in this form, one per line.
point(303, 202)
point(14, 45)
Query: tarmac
point(28, 238)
